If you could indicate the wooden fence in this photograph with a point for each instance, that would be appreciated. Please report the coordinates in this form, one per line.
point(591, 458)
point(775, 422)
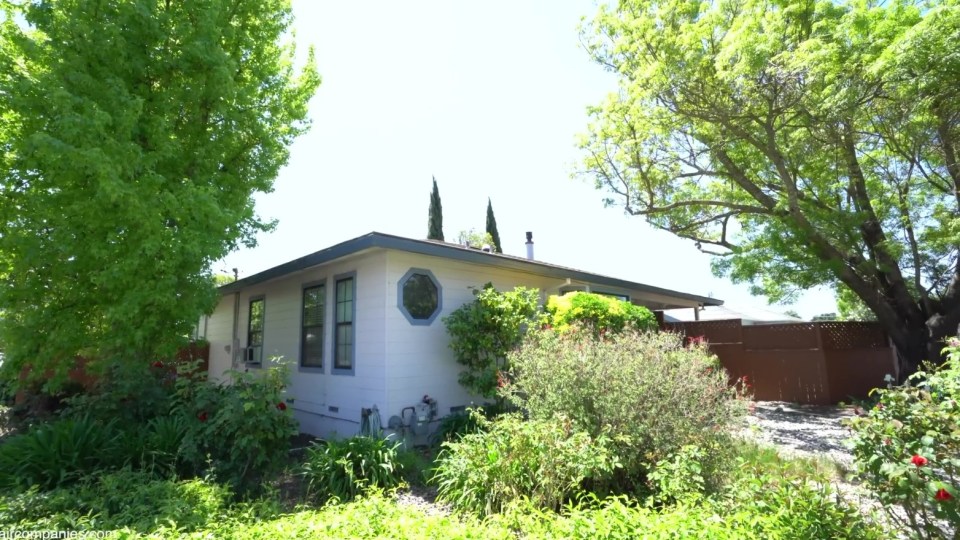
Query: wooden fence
point(817, 363)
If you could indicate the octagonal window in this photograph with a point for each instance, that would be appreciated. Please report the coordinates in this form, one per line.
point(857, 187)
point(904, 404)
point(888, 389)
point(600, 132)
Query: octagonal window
point(419, 296)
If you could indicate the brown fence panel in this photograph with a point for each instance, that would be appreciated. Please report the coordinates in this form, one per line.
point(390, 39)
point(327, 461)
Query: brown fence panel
point(780, 337)
point(713, 331)
point(797, 376)
point(853, 373)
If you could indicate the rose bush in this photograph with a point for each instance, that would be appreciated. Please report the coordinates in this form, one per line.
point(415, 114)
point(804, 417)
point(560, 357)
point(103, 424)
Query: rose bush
point(907, 449)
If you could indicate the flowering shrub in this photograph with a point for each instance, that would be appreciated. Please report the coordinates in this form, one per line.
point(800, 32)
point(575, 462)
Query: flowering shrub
point(482, 332)
point(907, 448)
point(600, 312)
point(239, 431)
point(649, 392)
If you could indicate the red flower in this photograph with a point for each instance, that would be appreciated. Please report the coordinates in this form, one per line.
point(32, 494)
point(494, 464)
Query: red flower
point(918, 460)
point(202, 416)
point(943, 495)
point(282, 406)
point(157, 364)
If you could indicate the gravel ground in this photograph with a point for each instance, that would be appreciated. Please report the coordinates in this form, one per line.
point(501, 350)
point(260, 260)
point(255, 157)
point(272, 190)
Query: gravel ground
point(802, 430)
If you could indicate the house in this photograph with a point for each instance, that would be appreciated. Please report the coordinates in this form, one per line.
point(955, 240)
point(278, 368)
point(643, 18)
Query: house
point(749, 315)
point(361, 322)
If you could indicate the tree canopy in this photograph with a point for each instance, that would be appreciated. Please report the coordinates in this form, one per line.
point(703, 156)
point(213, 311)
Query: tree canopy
point(802, 143)
point(133, 136)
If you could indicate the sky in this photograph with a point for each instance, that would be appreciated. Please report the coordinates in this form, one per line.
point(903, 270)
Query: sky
point(488, 98)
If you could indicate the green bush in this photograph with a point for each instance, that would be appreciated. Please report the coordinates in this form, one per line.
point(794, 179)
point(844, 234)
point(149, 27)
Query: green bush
point(455, 425)
point(775, 512)
point(543, 461)
point(651, 394)
point(907, 449)
point(482, 332)
point(600, 312)
point(60, 452)
point(116, 500)
point(240, 430)
point(130, 394)
point(344, 468)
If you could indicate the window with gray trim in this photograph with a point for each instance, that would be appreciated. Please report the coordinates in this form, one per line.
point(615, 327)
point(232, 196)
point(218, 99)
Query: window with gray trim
point(420, 296)
point(311, 332)
point(343, 332)
point(255, 331)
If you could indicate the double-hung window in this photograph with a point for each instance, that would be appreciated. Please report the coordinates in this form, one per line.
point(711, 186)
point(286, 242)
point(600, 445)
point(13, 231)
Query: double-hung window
point(343, 338)
point(311, 333)
point(255, 332)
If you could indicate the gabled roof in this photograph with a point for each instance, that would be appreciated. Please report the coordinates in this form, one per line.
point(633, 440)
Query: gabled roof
point(457, 252)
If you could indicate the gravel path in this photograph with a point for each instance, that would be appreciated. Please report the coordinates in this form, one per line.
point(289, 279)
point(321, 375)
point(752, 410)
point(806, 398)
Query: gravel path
point(802, 430)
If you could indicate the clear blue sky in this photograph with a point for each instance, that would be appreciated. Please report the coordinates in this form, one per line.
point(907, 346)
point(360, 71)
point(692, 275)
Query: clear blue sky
point(488, 97)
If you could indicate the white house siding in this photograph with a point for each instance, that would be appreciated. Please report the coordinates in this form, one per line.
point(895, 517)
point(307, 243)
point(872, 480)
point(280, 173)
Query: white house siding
point(419, 357)
point(219, 332)
point(325, 404)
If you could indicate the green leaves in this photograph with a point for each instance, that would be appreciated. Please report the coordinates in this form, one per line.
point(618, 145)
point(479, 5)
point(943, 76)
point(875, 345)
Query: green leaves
point(801, 143)
point(484, 331)
point(134, 137)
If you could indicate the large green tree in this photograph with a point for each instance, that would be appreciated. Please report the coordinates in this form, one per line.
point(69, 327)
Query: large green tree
point(133, 136)
point(804, 143)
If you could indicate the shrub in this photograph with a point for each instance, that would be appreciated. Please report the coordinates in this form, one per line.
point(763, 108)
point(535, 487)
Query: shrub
point(455, 425)
point(600, 312)
point(907, 449)
point(544, 461)
point(59, 452)
point(239, 430)
point(126, 498)
point(342, 469)
point(650, 393)
point(482, 332)
point(776, 512)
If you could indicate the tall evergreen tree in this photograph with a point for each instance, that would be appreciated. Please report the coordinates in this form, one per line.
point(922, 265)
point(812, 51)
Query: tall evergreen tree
point(435, 220)
point(492, 227)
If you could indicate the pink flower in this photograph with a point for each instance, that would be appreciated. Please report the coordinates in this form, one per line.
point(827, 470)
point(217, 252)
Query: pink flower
point(918, 460)
point(282, 406)
point(943, 495)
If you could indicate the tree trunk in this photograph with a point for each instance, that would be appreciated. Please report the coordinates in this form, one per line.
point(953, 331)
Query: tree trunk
point(918, 343)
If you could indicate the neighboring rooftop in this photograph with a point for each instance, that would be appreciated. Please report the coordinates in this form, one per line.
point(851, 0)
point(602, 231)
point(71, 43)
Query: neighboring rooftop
point(748, 314)
point(458, 252)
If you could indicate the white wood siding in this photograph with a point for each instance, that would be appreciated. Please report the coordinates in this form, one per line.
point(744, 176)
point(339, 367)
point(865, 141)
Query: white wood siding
point(420, 360)
point(325, 404)
point(219, 332)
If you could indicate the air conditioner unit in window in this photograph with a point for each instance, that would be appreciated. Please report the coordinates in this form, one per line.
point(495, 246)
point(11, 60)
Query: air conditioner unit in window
point(253, 355)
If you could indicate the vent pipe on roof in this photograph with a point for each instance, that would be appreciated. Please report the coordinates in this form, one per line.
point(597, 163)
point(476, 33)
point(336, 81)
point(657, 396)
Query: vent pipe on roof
point(529, 246)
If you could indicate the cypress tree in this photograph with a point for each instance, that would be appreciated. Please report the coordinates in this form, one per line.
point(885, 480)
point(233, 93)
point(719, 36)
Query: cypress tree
point(435, 219)
point(492, 227)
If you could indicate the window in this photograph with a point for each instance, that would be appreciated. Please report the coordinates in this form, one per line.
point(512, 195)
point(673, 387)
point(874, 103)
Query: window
point(419, 296)
point(343, 333)
point(311, 333)
point(255, 332)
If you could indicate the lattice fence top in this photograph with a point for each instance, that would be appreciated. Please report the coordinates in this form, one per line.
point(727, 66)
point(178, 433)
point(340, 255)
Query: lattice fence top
point(780, 336)
point(727, 331)
point(840, 336)
point(831, 336)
